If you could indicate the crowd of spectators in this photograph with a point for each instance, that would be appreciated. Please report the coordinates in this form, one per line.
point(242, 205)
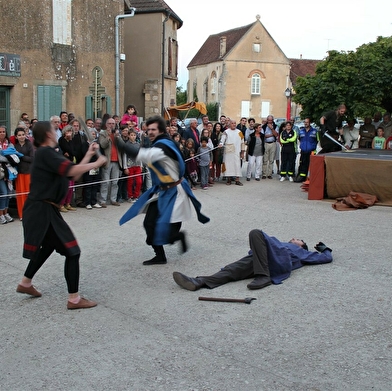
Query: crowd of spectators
point(212, 152)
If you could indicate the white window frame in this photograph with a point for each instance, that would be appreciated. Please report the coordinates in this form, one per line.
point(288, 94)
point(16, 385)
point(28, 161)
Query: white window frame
point(62, 21)
point(255, 88)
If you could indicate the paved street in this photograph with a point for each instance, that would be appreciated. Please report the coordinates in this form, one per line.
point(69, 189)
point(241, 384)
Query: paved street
point(327, 327)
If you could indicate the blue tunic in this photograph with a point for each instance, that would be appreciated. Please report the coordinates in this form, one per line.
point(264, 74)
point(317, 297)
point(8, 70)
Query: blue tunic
point(166, 197)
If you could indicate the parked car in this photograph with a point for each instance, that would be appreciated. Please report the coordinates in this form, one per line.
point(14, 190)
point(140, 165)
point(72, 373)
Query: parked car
point(186, 122)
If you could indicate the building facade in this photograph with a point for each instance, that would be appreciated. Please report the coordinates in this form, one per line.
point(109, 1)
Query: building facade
point(151, 50)
point(57, 55)
point(244, 71)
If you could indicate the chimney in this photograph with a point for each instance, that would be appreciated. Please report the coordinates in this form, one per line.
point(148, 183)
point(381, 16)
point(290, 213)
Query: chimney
point(222, 46)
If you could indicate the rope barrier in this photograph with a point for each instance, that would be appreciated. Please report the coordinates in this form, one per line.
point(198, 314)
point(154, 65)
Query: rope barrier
point(14, 194)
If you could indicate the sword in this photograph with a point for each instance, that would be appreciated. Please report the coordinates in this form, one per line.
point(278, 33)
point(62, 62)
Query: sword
point(90, 137)
point(337, 142)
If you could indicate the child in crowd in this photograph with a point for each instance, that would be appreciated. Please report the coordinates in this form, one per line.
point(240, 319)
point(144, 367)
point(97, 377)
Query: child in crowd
point(191, 168)
point(130, 118)
point(134, 169)
point(379, 141)
point(205, 161)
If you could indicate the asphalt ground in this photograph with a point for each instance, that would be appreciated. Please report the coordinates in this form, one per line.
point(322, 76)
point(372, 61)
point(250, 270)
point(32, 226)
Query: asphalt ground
point(327, 327)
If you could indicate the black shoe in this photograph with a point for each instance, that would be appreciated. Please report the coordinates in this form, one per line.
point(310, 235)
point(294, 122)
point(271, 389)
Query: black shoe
point(269, 177)
point(248, 179)
point(257, 179)
point(259, 282)
point(189, 283)
point(155, 261)
point(81, 205)
point(263, 177)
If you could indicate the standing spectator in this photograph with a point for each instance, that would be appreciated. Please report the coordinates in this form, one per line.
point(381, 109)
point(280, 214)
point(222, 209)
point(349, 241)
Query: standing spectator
point(379, 141)
point(205, 161)
point(4, 188)
point(122, 192)
point(91, 178)
point(67, 147)
point(255, 153)
point(134, 169)
point(222, 121)
point(111, 171)
point(63, 119)
point(174, 122)
point(288, 139)
point(242, 126)
point(44, 228)
point(386, 124)
point(191, 169)
point(55, 121)
point(233, 141)
point(350, 135)
point(271, 136)
point(80, 144)
point(249, 129)
point(22, 181)
point(367, 132)
point(308, 139)
point(193, 133)
point(217, 153)
point(377, 119)
point(204, 124)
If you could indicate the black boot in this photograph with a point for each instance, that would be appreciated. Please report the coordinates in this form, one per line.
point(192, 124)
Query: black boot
point(181, 237)
point(160, 257)
point(189, 283)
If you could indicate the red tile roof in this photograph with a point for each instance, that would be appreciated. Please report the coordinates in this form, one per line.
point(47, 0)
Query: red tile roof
point(210, 51)
point(154, 6)
point(301, 67)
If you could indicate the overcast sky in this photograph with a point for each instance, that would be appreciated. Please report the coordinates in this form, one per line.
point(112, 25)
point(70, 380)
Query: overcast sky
point(306, 27)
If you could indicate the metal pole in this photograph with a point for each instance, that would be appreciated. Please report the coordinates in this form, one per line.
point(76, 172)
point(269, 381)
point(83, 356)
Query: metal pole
point(117, 64)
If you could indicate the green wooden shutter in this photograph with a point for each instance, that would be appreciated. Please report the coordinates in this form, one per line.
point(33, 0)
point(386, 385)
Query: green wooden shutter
point(49, 101)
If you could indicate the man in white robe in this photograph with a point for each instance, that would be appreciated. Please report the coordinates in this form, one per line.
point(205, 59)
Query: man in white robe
point(233, 141)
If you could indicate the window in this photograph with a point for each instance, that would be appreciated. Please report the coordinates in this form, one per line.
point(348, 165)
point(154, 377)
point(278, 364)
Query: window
point(256, 47)
point(245, 108)
point(49, 101)
point(255, 84)
point(213, 83)
point(62, 20)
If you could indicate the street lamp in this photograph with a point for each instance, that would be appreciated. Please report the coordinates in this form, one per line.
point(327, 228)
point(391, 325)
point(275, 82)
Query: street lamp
point(287, 92)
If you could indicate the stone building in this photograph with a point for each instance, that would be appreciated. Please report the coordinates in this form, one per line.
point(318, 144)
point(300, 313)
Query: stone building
point(243, 70)
point(57, 55)
point(151, 49)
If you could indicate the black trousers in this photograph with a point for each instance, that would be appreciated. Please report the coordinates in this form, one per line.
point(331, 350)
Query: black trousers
point(50, 243)
point(304, 162)
point(150, 222)
point(246, 267)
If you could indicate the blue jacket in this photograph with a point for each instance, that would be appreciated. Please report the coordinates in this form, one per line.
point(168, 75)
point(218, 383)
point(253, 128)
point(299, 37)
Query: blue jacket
point(308, 140)
point(284, 257)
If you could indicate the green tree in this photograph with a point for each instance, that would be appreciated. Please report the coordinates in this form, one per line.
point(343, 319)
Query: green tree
point(361, 79)
point(181, 96)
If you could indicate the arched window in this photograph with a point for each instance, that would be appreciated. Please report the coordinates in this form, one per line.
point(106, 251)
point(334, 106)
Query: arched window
point(255, 84)
point(213, 83)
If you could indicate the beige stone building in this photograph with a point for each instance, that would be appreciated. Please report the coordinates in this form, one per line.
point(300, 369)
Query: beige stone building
point(65, 55)
point(57, 55)
point(151, 49)
point(244, 71)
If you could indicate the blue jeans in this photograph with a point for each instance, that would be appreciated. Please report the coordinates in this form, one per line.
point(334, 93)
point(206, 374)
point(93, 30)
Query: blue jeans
point(4, 201)
point(204, 171)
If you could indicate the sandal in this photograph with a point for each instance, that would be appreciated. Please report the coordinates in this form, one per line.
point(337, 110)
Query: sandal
point(228, 182)
point(238, 183)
